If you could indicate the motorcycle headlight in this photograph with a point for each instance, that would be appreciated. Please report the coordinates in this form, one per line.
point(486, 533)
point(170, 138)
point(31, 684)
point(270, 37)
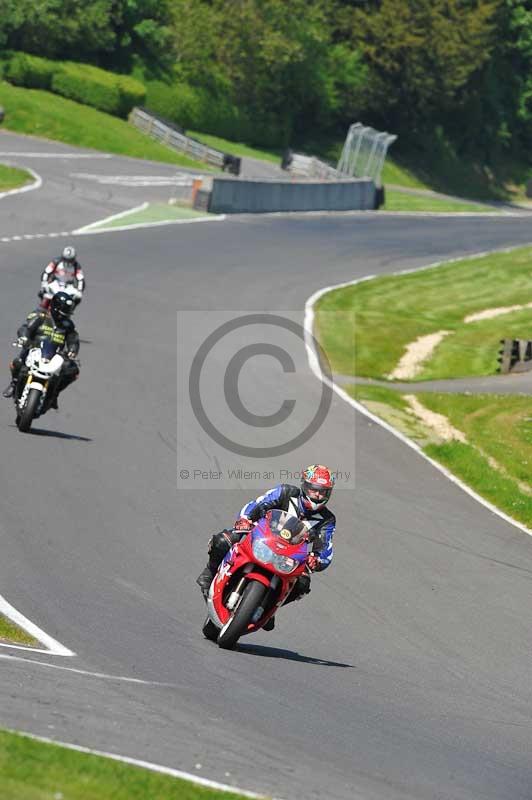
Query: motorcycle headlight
point(284, 563)
point(263, 553)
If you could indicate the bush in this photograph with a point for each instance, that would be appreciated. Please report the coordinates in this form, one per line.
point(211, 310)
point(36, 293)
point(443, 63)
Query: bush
point(180, 103)
point(31, 72)
point(115, 94)
point(191, 107)
point(132, 93)
point(78, 82)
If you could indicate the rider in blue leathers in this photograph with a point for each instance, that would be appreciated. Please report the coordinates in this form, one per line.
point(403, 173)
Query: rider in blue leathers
point(307, 502)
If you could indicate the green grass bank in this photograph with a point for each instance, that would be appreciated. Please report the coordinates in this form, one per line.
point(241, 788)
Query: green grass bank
point(9, 632)
point(495, 459)
point(41, 113)
point(33, 770)
point(378, 318)
point(13, 178)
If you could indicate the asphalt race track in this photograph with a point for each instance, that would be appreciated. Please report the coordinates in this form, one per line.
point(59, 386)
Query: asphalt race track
point(406, 672)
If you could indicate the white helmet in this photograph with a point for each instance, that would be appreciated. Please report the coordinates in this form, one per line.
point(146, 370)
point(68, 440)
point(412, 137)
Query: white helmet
point(69, 254)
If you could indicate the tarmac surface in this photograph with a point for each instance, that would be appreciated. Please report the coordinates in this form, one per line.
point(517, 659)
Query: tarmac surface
point(406, 672)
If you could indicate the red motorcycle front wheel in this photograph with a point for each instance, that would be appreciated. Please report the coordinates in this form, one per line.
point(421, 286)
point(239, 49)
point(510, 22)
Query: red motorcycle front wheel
point(238, 624)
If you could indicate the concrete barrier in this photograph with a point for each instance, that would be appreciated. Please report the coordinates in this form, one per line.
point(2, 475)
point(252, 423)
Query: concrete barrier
point(234, 196)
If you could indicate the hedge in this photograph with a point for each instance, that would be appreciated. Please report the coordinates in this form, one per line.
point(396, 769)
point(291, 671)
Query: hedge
point(115, 94)
point(30, 71)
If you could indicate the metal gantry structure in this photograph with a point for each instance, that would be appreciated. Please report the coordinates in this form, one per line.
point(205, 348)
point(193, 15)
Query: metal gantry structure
point(364, 152)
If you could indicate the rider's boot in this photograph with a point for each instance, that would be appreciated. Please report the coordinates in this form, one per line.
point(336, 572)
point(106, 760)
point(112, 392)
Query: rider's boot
point(270, 625)
point(9, 391)
point(204, 580)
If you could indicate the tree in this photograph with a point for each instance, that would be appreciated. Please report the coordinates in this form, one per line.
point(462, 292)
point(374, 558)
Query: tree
point(75, 29)
point(420, 55)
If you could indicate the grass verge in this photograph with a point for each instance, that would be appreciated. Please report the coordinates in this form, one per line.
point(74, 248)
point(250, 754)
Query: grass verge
point(401, 201)
point(496, 459)
point(9, 632)
point(154, 212)
point(40, 113)
point(33, 770)
point(13, 178)
point(385, 314)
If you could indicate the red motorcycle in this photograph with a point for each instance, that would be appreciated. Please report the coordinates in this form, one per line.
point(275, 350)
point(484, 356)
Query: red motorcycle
point(255, 578)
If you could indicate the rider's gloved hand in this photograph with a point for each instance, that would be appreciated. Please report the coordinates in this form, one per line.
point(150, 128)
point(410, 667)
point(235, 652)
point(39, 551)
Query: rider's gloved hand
point(243, 524)
point(313, 562)
point(22, 341)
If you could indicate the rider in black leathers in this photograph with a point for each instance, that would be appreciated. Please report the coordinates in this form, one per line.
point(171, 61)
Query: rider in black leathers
point(54, 324)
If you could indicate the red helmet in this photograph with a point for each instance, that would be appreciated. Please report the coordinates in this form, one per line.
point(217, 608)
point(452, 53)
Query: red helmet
point(317, 484)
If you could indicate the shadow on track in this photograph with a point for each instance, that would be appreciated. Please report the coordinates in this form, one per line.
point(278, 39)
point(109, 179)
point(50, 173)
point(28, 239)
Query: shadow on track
point(59, 435)
point(56, 434)
point(289, 655)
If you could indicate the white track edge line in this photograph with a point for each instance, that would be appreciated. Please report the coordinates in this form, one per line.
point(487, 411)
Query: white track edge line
point(137, 225)
point(174, 773)
point(103, 675)
point(23, 154)
point(87, 228)
point(54, 647)
point(37, 183)
point(315, 366)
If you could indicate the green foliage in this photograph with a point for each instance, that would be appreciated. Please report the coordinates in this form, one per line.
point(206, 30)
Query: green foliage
point(273, 64)
point(451, 76)
point(30, 71)
point(197, 108)
point(108, 32)
point(77, 83)
point(60, 28)
point(132, 93)
point(142, 34)
point(420, 55)
point(115, 94)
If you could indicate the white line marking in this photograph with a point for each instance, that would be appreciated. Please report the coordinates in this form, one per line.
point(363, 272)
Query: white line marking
point(28, 649)
point(174, 773)
point(315, 366)
point(30, 187)
point(117, 229)
point(23, 154)
point(179, 179)
point(87, 228)
point(103, 675)
point(54, 647)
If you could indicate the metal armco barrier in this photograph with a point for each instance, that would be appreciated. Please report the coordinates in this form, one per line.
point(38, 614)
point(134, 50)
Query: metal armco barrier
point(309, 167)
point(234, 196)
point(171, 136)
point(515, 355)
